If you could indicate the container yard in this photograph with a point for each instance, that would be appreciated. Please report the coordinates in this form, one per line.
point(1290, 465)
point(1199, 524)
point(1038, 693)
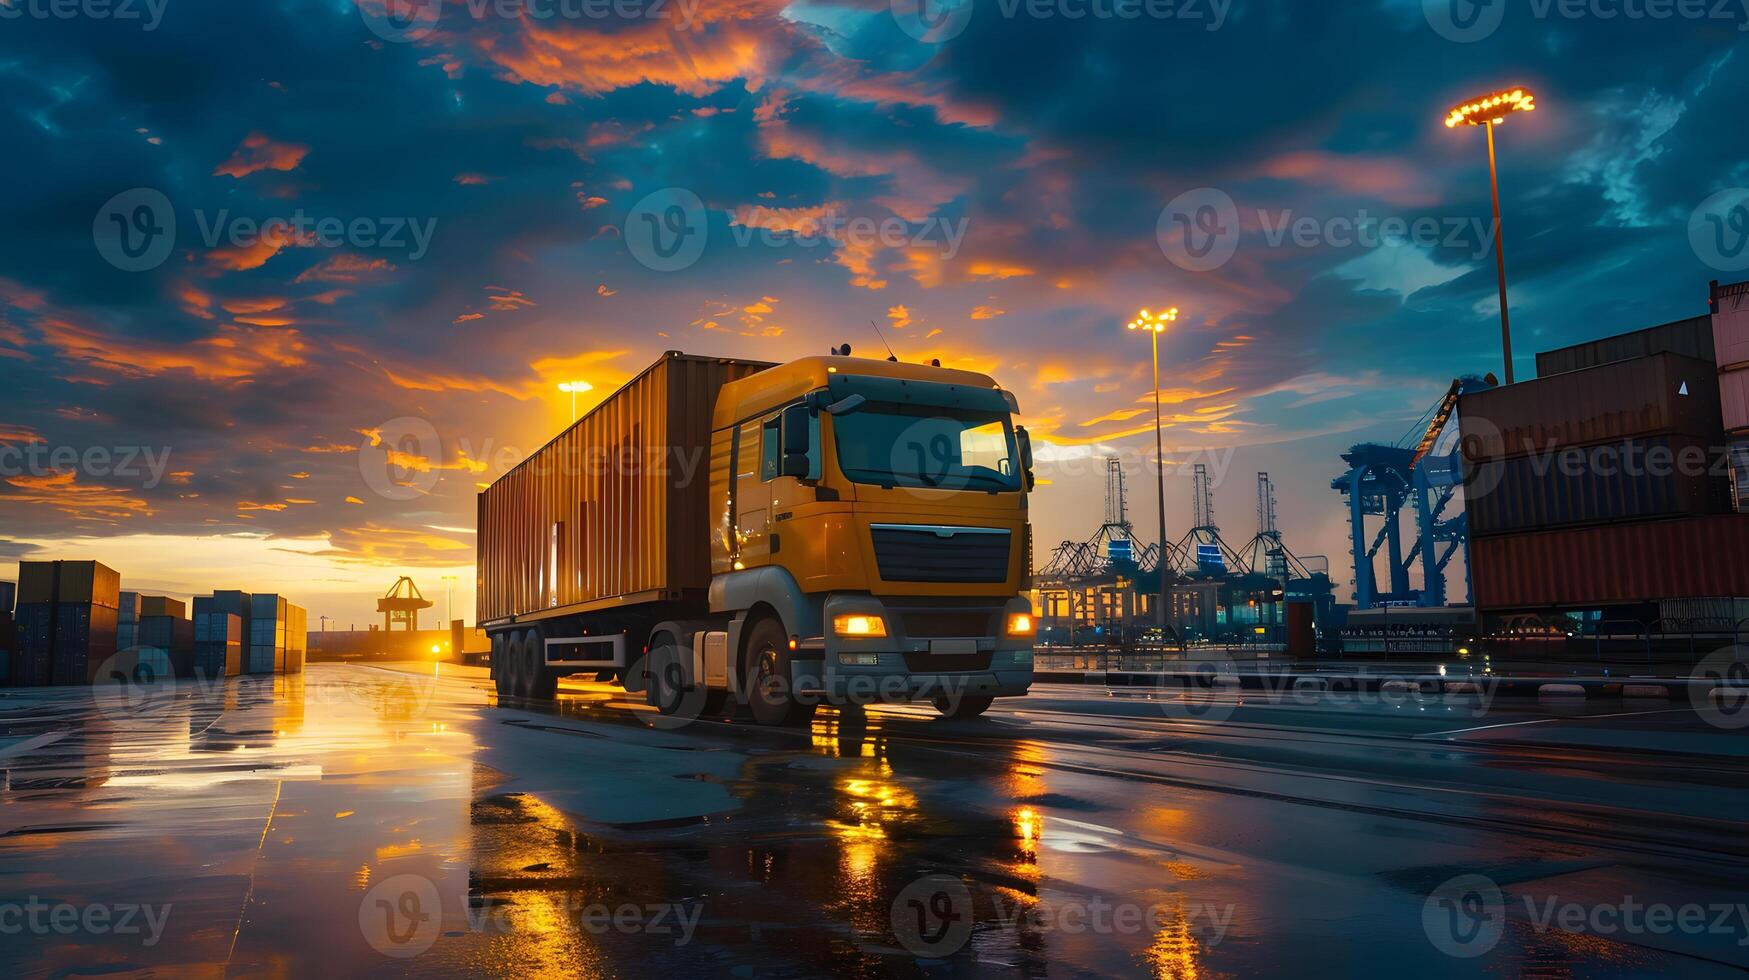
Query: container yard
point(78, 627)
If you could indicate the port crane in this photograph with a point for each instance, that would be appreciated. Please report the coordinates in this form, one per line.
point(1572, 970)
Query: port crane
point(1423, 470)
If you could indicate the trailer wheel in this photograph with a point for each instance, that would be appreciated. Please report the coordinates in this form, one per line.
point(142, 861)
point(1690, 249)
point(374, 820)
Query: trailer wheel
point(510, 671)
point(770, 683)
point(539, 682)
point(962, 707)
point(502, 657)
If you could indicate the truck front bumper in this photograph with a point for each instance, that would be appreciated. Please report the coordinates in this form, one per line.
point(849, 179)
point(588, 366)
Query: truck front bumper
point(905, 667)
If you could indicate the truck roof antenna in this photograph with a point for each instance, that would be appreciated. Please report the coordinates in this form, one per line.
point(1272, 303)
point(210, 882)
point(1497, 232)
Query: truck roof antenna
point(890, 355)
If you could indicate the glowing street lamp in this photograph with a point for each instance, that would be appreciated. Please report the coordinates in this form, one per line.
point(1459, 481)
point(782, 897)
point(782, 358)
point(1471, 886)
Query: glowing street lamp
point(573, 387)
point(1155, 324)
point(1491, 111)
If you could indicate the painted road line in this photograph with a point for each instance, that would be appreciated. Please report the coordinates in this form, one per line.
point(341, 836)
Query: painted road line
point(1545, 721)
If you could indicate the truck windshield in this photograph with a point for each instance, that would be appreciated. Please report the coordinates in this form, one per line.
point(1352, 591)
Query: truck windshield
point(924, 446)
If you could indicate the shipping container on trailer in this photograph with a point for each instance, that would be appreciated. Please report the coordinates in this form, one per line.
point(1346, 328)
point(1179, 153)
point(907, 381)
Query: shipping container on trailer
point(1690, 337)
point(1665, 394)
point(613, 511)
point(1612, 564)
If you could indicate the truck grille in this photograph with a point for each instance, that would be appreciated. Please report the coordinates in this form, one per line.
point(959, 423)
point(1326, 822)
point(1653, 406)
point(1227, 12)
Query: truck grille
point(950, 625)
point(913, 553)
point(936, 663)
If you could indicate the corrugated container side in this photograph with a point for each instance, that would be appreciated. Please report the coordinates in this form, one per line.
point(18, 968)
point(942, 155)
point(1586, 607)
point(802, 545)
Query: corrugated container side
point(1624, 400)
point(1663, 476)
point(614, 506)
point(1692, 337)
point(1734, 399)
point(1730, 324)
point(1616, 563)
point(69, 581)
point(33, 666)
point(158, 605)
point(84, 640)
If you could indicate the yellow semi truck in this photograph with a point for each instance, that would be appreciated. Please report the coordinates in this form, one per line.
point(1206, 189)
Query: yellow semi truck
point(723, 532)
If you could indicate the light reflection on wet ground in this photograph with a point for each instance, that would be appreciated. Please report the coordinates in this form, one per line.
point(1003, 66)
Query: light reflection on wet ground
point(361, 821)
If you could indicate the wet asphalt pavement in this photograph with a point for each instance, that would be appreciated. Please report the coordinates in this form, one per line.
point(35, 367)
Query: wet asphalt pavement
point(376, 820)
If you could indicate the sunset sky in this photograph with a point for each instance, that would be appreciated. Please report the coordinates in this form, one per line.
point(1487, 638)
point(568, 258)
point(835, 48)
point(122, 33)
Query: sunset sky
point(1022, 166)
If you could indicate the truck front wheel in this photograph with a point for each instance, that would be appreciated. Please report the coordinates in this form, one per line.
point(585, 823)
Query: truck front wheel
point(770, 683)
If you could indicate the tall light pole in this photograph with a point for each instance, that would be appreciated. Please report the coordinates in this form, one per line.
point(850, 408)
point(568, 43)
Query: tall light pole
point(574, 387)
point(449, 602)
point(1155, 325)
point(1490, 111)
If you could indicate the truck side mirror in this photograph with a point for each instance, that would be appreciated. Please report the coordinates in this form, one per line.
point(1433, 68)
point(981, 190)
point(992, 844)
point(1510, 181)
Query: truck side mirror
point(793, 441)
point(1024, 439)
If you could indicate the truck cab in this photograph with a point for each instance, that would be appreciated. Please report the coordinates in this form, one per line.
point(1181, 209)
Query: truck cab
point(870, 537)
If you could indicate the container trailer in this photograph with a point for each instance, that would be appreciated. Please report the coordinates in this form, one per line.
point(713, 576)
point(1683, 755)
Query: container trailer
point(724, 531)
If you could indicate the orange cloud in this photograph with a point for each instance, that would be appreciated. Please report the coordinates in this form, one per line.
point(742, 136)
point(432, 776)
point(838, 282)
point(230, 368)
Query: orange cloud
point(259, 152)
point(344, 267)
point(61, 491)
point(232, 354)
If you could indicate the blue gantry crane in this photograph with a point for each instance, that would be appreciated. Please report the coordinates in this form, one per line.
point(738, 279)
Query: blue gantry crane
point(1423, 470)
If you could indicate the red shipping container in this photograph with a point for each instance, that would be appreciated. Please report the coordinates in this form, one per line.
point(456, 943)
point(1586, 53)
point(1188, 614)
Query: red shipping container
point(1665, 394)
point(1617, 563)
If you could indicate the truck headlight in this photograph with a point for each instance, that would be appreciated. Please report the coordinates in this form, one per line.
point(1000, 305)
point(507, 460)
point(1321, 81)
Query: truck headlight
point(859, 624)
point(1021, 624)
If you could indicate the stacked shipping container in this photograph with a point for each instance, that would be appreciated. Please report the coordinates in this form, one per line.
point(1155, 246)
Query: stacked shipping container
point(1604, 482)
point(127, 625)
point(1730, 322)
point(71, 615)
point(218, 643)
point(67, 621)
